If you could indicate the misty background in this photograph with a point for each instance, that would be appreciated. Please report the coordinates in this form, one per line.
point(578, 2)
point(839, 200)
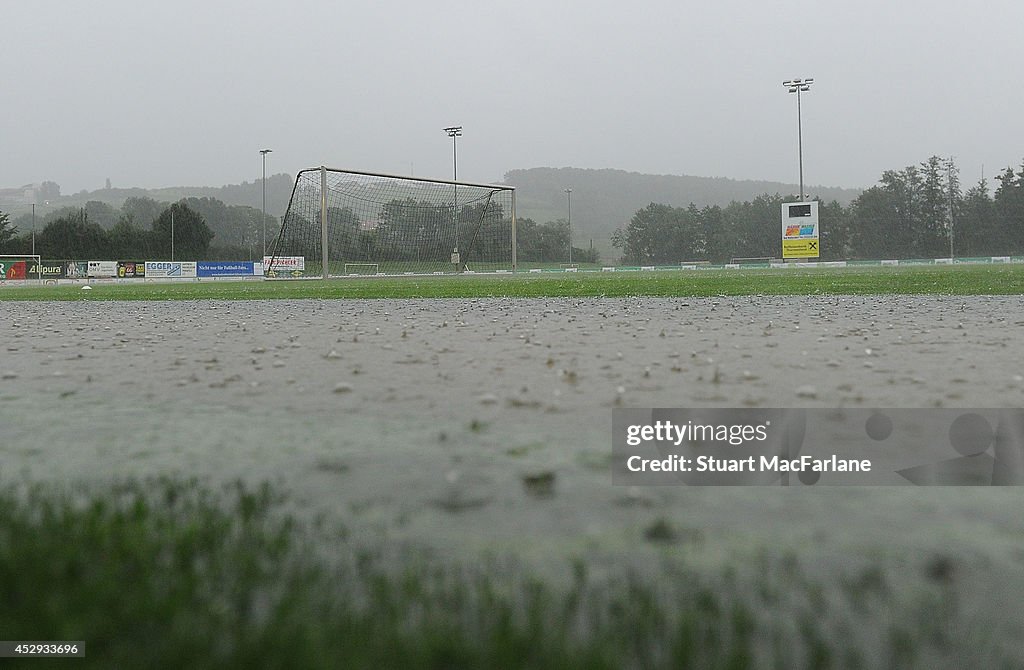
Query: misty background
point(154, 94)
point(178, 98)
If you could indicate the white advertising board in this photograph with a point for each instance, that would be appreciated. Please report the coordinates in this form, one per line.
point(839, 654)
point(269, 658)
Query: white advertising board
point(170, 269)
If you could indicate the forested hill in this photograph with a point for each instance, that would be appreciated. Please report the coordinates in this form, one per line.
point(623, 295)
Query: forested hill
point(248, 194)
point(603, 200)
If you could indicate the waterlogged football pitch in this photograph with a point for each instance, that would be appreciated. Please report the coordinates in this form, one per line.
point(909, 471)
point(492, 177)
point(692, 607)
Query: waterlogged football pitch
point(994, 279)
point(443, 445)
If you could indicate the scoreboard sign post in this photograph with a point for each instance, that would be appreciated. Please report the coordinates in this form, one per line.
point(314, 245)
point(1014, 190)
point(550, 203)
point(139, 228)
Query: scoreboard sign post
point(800, 230)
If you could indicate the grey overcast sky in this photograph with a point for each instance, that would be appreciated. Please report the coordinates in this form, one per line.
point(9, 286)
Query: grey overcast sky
point(186, 92)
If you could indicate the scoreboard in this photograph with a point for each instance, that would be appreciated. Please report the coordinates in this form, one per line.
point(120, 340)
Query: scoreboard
point(800, 230)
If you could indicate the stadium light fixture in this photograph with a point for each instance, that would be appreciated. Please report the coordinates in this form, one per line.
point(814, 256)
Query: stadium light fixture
point(799, 86)
point(453, 132)
point(264, 152)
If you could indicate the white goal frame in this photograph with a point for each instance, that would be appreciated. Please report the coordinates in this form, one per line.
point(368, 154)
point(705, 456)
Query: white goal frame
point(30, 258)
point(322, 205)
point(375, 266)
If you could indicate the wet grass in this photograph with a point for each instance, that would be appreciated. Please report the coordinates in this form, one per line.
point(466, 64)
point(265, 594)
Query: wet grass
point(169, 574)
point(995, 279)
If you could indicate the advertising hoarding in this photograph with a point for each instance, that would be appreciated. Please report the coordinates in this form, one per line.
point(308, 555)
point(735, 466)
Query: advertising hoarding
point(800, 230)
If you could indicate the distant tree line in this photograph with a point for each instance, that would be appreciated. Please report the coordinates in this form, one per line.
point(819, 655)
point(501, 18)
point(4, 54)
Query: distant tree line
point(411, 230)
point(908, 214)
point(204, 229)
point(548, 243)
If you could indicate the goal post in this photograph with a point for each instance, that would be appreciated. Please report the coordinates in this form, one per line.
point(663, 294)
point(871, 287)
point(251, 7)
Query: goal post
point(338, 220)
point(21, 267)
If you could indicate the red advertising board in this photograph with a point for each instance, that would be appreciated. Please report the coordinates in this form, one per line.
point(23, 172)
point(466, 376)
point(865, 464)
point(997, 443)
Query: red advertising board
point(14, 270)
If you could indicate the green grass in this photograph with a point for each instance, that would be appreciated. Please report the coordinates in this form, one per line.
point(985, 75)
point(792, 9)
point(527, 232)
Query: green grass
point(168, 574)
point(996, 279)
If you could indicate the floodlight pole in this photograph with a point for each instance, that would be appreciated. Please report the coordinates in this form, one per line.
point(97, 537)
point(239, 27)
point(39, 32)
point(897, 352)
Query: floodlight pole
point(172, 233)
point(799, 86)
point(33, 229)
point(454, 132)
point(264, 152)
point(949, 179)
point(568, 192)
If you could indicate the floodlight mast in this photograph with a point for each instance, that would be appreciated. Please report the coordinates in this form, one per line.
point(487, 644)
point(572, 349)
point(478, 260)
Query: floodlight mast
point(264, 152)
point(799, 86)
point(568, 193)
point(454, 132)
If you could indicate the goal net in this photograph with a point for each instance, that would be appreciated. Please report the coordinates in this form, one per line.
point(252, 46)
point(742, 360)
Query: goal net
point(344, 222)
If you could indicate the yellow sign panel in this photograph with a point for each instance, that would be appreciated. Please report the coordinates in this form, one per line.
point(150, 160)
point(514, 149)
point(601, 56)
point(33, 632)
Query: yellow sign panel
point(805, 248)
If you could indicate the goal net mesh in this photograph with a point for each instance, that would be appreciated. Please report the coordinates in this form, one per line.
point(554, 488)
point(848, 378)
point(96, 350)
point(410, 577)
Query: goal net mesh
point(397, 224)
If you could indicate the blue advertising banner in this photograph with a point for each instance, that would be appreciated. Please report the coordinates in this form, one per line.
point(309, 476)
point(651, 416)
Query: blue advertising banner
point(225, 269)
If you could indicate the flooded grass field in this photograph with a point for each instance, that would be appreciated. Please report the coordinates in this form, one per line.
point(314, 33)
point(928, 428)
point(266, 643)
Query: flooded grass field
point(426, 483)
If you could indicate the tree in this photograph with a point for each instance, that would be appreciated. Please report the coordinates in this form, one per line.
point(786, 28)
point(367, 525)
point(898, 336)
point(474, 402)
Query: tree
point(128, 241)
point(639, 239)
point(717, 241)
point(754, 227)
point(141, 211)
point(7, 231)
point(73, 237)
point(834, 231)
point(407, 228)
point(48, 192)
point(191, 235)
point(975, 231)
point(343, 225)
point(102, 214)
point(939, 188)
point(872, 224)
point(1009, 206)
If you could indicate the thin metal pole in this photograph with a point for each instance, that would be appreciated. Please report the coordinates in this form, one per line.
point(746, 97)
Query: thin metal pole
point(949, 179)
point(264, 152)
point(454, 132)
point(33, 229)
point(800, 142)
point(568, 192)
point(264, 203)
point(455, 188)
point(172, 232)
point(797, 86)
point(323, 220)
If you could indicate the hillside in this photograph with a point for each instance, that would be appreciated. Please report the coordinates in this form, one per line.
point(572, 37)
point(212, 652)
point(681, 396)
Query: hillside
point(603, 200)
point(250, 194)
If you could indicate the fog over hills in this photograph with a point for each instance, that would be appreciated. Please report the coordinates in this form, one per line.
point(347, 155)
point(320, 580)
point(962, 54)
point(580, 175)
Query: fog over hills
point(602, 200)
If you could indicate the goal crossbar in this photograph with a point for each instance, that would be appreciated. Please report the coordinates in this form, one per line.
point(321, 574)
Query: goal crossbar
point(385, 175)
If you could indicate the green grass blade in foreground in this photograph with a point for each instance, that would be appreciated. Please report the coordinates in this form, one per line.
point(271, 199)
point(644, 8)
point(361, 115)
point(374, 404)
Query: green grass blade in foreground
point(996, 279)
point(167, 574)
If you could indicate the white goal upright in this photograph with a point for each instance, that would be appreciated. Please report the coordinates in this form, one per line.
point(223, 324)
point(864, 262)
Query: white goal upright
point(349, 222)
point(25, 267)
